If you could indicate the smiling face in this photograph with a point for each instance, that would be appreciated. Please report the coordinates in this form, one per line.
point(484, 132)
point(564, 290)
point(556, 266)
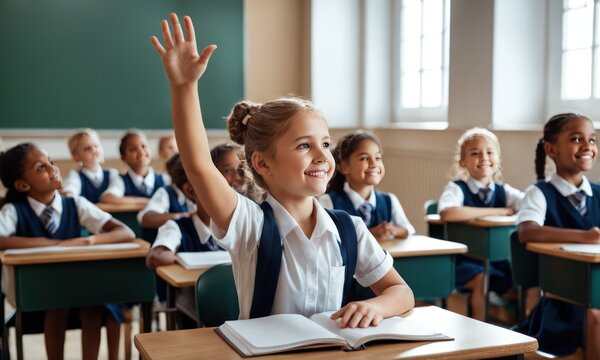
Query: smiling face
point(574, 150)
point(40, 176)
point(302, 163)
point(479, 156)
point(364, 167)
point(137, 154)
point(89, 152)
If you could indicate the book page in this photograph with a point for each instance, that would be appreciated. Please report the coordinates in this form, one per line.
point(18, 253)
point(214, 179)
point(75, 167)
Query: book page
point(276, 333)
point(393, 328)
point(582, 248)
point(500, 218)
point(54, 249)
point(203, 260)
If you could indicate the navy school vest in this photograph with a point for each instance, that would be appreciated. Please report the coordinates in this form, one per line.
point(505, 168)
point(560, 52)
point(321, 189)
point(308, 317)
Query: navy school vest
point(149, 234)
point(190, 241)
point(91, 192)
point(561, 213)
point(498, 196)
point(30, 225)
point(132, 190)
point(268, 262)
point(382, 211)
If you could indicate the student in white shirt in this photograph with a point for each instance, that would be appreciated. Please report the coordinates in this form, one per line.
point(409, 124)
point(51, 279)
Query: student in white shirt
point(287, 146)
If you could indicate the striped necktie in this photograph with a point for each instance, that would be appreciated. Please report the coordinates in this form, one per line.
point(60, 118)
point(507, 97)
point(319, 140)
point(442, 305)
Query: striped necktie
point(365, 210)
point(578, 200)
point(47, 218)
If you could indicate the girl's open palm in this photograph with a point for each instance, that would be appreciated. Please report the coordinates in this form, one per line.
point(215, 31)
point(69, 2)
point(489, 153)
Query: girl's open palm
point(180, 57)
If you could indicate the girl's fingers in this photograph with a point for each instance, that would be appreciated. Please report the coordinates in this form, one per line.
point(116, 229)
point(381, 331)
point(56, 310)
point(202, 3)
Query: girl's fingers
point(177, 31)
point(206, 54)
point(157, 46)
point(190, 34)
point(166, 34)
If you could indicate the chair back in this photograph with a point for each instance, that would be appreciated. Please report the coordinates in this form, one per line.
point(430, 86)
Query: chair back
point(433, 230)
point(431, 206)
point(524, 263)
point(216, 297)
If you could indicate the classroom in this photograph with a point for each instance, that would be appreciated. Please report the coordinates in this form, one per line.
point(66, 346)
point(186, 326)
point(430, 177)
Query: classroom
point(502, 65)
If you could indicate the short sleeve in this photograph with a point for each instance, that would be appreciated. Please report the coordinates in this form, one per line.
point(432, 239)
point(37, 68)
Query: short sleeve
point(513, 197)
point(116, 186)
point(8, 220)
point(159, 203)
point(372, 262)
point(72, 183)
point(90, 215)
point(398, 216)
point(533, 206)
point(168, 236)
point(452, 196)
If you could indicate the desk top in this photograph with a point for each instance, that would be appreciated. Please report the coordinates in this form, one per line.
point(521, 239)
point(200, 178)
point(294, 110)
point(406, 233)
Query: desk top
point(554, 249)
point(434, 219)
point(120, 208)
point(487, 221)
point(178, 276)
point(419, 245)
point(473, 339)
point(71, 256)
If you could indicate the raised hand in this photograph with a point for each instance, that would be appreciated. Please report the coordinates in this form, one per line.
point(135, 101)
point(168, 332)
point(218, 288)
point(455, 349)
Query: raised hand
point(179, 55)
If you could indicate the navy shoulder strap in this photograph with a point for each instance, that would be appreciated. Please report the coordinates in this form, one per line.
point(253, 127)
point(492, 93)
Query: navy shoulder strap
point(383, 210)
point(268, 262)
point(268, 265)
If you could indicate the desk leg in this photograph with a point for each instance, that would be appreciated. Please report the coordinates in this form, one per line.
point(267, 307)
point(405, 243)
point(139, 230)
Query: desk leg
point(486, 289)
point(170, 305)
point(19, 336)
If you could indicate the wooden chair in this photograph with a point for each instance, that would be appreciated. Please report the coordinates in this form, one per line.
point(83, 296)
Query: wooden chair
point(525, 271)
point(216, 296)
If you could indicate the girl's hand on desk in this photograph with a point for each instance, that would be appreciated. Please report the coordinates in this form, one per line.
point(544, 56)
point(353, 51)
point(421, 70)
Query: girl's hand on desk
point(592, 236)
point(79, 241)
point(381, 232)
point(506, 211)
point(358, 314)
point(179, 55)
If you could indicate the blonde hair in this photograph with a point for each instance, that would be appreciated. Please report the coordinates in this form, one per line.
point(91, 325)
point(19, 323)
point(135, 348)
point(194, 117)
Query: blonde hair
point(258, 126)
point(74, 140)
point(458, 172)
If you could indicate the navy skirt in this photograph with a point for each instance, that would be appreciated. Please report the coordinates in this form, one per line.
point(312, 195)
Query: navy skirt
point(500, 274)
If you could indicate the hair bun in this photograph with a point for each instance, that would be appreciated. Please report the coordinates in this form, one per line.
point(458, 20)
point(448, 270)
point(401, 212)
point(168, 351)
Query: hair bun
point(239, 119)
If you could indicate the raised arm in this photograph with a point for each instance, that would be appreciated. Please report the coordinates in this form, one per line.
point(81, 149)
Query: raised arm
point(184, 67)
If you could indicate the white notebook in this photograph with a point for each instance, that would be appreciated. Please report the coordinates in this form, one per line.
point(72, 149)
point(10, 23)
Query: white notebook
point(285, 332)
point(54, 248)
point(500, 218)
point(582, 248)
point(203, 260)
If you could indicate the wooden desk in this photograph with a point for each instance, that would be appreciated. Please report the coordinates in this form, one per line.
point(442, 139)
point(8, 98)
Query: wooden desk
point(176, 277)
point(487, 240)
point(80, 278)
point(472, 340)
point(427, 264)
point(126, 213)
point(558, 268)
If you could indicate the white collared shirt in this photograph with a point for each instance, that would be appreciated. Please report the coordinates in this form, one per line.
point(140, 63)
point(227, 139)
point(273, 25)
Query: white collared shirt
point(169, 234)
point(90, 216)
point(452, 196)
point(117, 186)
point(73, 181)
point(160, 202)
point(534, 205)
point(311, 279)
point(398, 216)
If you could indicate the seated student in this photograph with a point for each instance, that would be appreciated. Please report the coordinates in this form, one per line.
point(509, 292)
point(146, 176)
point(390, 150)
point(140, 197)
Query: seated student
point(474, 195)
point(167, 147)
point(359, 168)
point(228, 158)
point(287, 147)
point(140, 181)
point(90, 181)
point(182, 234)
point(35, 214)
point(566, 207)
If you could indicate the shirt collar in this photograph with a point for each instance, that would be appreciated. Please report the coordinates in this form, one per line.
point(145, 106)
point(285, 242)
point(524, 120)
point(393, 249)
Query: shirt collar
point(96, 174)
point(285, 222)
point(202, 229)
point(181, 198)
point(474, 185)
point(39, 207)
point(138, 179)
point(356, 199)
point(565, 188)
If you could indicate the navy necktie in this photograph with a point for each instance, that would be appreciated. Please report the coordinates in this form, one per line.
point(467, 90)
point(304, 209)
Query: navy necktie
point(483, 194)
point(47, 218)
point(578, 200)
point(365, 210)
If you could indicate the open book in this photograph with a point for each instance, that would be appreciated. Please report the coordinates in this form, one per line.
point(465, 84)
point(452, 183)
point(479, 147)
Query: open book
point(285, 332)
point(55, 248)
point(582, 248)
point(202, 260)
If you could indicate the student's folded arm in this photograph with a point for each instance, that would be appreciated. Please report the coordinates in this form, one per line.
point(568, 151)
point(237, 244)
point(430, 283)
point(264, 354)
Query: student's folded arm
point(113, 231)
point(159, 256)
point(530, 231)
point(18, 242)
point(153, 219)
point(466, 213)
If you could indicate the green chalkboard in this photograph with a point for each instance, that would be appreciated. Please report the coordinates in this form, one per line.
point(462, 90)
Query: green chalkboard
point(75, 63)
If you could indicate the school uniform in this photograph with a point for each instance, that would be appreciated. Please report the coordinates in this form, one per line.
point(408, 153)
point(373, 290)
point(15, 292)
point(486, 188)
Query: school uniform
point(311, 279)
point(385, 206)
point(167, 199)
point(89, 184)
point(558, 325)
point(466, 193)
point(132, 184)
point(23, 219)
